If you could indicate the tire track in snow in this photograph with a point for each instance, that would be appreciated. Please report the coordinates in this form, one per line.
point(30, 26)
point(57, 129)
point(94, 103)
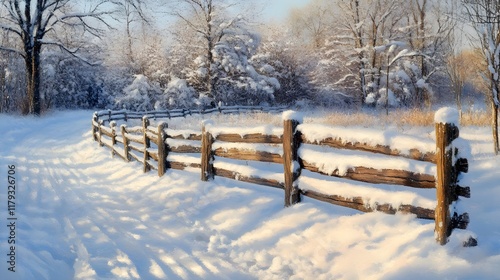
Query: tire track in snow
point(114, 222)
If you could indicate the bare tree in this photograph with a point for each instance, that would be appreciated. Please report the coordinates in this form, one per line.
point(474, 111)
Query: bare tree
point(134, 11)
point(35, 23)
point(312, 22)
point(484, 16)
point(430, 23)
point(353, 22)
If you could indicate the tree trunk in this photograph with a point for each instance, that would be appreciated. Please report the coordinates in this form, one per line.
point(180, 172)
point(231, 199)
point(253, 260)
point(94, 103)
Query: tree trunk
point(36, 76)
point(359, 44)
point(28, 62)
point(494, 126)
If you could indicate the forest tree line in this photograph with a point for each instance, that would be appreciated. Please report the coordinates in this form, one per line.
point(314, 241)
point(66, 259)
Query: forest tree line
point(124, 54)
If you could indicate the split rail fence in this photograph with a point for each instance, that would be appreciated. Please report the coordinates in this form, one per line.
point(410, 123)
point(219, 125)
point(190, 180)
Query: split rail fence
point(154, 147)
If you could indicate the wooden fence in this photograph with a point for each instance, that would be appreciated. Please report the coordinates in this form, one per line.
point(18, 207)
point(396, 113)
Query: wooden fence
point(106, 116)
point(160, 148)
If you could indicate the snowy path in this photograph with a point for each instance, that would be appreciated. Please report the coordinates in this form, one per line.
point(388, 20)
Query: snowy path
point(83, 215)
point(79, 218)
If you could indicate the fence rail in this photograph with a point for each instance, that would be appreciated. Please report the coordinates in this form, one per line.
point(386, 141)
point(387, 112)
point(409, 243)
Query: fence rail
point(160, 148)
point(108, 116)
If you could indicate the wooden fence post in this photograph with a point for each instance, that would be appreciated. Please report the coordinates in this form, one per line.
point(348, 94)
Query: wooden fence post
point(445, 134)
point(291, 143)
point(112, 125)
point(162, 150)
point(126, 148)
point(147, 143)
point(94, 128)
point(207, 168)
point(100, 133)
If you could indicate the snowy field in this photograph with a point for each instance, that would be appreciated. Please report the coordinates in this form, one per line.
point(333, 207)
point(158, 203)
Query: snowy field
point(84, 215)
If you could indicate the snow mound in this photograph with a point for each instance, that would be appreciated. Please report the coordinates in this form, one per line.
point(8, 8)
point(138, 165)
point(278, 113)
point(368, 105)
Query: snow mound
point(447, 115)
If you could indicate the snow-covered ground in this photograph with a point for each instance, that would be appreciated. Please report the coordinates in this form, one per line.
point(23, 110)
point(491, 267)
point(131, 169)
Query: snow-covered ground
point(84, 215)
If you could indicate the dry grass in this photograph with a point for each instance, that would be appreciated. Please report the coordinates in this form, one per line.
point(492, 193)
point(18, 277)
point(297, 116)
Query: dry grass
point(370, 118)
point(399, 118)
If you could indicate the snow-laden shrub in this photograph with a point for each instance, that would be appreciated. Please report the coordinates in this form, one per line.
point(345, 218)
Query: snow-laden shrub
point(179, 94)
point(138, 96)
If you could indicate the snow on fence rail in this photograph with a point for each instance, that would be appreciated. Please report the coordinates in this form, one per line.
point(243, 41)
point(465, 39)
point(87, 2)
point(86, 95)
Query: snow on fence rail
point(106, 116)
point(360, 156)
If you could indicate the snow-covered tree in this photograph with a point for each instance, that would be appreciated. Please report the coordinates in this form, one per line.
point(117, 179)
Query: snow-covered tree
point(139, 96)
point(178, 94)
point(35, 24)
point(430, 23)
point(281, 57)
point(222, 68)
point(484, 16)
point(12, 96)
point(70, 83)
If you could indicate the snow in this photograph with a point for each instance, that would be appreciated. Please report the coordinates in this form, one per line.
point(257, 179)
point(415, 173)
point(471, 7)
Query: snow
point(251, 168)
point(269, 148)
point(447, 115)
point(342, 160)
point(371, 194)
point(371, 136)
point(187, 158)
point(292, 115)
point(245, 130)
point(85, 215)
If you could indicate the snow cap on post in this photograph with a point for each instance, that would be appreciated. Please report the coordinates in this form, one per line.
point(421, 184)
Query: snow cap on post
point(292, 115)
point(207, 122)
point(447, 115)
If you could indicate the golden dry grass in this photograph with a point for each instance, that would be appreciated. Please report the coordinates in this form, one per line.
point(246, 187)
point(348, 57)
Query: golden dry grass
point(413, 117)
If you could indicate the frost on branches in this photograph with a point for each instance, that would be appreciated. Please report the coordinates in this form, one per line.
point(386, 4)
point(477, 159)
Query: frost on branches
point(222, 50)
point(179, 94)
point(139, 95)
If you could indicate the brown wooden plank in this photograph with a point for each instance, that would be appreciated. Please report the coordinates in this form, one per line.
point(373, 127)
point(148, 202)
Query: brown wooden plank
point(152, 137)
point(95, 126)
point(153, 155)
point(249, 138)
point(185, 149)
point(379, 149)
point(147, 144)
point(153, 130)
point(248, 155)
point(254, 180)
point(196, 137)
point(126, 147)
point(136, 148)
point(383, 176)
point(162, 149)
point(359, 204)
point(107, 131)
point(136, 138)
point(445, 134)
point(207, 168)
point(182, 165)
point(291, 143)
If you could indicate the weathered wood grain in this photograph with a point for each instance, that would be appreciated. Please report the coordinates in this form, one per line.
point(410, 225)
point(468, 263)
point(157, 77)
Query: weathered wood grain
point(379, 149)
point(384, 176)
point(248, 155)
point(359, 204)
point(254, 180)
